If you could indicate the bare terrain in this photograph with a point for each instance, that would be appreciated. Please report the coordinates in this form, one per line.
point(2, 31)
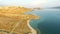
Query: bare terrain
point(14, 21)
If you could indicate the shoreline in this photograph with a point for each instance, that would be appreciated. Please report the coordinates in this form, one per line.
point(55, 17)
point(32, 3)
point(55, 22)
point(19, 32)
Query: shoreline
point(32, 29)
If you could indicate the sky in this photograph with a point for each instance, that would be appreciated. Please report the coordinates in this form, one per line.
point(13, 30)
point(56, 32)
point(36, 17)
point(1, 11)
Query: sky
point(30, 3)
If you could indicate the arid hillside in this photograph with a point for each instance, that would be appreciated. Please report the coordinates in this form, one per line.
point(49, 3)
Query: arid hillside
point(14, 21)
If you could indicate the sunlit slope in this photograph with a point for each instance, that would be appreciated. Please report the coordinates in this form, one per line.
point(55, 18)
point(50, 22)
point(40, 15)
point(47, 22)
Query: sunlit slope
point(13, 20)
point(14, 9)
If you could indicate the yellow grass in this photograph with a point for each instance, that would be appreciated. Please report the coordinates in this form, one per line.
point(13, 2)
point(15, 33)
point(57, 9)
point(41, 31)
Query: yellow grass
point(14, 9)
point(13, 20)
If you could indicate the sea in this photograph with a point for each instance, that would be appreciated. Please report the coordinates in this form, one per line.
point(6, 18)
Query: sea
point(48, 23)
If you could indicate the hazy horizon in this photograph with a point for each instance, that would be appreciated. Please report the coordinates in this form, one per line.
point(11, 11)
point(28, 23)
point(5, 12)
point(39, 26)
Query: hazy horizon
point(30, 3)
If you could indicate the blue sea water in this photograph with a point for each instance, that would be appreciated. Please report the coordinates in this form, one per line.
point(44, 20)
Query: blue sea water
point(48, 23)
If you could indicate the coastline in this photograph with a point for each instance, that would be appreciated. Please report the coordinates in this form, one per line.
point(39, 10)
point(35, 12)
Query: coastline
point(32, 29)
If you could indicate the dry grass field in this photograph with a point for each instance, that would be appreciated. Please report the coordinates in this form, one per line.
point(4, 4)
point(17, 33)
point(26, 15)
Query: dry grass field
point(14, 21)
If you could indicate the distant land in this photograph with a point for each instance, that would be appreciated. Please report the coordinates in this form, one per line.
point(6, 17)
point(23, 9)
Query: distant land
point(37, 8)
point(56, 7)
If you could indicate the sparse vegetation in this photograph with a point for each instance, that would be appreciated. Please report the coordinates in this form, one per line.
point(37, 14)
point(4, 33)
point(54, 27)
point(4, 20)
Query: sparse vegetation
point(10, 16)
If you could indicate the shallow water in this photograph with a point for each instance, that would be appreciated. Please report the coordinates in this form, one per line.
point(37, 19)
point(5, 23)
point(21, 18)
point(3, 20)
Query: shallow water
point(49, 21)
